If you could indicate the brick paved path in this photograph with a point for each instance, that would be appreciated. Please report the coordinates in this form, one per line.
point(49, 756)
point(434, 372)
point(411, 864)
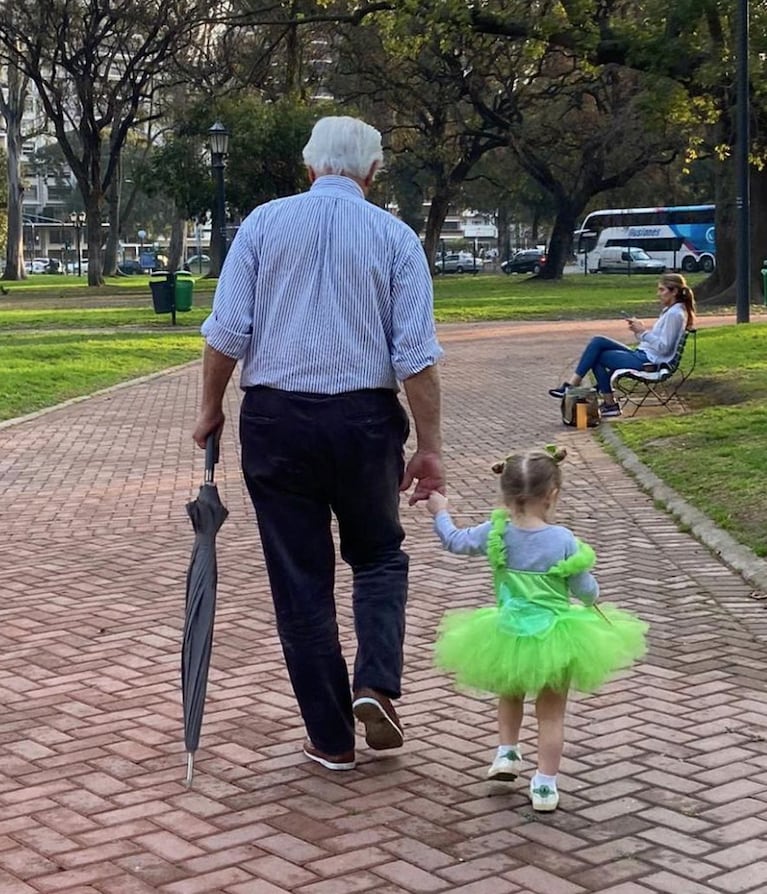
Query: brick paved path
point(665, 778)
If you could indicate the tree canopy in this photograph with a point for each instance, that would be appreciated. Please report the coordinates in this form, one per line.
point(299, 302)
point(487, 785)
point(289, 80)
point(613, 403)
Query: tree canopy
point(584, 94)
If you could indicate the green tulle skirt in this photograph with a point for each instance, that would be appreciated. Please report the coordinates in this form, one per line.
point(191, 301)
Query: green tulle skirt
point(581, 650)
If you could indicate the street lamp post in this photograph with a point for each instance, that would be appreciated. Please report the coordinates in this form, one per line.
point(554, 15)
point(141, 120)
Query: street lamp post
point(78, 219)
point(742, 198)
point(219, 148)
point(141, 237)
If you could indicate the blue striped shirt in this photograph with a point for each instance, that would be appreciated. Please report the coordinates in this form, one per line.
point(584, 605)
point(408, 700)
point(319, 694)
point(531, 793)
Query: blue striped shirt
point(324, 292)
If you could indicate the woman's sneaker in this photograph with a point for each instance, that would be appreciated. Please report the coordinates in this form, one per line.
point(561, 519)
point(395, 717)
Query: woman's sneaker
point(607, 411)
point(505, 767)
point(545, 798)
point(560, 392)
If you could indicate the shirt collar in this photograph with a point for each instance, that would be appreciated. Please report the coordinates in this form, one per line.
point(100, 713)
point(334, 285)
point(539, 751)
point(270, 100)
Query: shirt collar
point(338, 185)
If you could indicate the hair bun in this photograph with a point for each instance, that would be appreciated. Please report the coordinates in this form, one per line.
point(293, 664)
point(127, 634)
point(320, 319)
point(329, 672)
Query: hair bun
point(558, 454)
point(498, 467)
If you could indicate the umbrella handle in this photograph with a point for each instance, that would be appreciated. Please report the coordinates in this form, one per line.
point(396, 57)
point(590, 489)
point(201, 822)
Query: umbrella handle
point(211, 456)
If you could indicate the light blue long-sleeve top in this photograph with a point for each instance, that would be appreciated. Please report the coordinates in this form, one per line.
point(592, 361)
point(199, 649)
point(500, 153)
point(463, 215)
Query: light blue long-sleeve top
point(660, 342)
point(324, 292)
point(527, 549)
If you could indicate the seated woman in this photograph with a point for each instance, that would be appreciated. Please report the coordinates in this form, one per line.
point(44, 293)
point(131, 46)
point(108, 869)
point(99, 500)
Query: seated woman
point(657, 345)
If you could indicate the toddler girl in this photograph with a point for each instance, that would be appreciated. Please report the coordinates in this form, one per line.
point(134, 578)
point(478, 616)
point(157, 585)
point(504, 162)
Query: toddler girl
point(533, 640)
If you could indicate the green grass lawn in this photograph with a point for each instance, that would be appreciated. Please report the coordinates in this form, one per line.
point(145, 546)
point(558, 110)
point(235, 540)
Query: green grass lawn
point(713, 456)
point(456, 299)
point(43, 369)
point(136, 314)
point(70, 283)
point(477, 298)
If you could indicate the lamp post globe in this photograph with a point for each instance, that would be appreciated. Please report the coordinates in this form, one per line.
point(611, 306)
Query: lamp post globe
point(219, 148)
point(219, 139)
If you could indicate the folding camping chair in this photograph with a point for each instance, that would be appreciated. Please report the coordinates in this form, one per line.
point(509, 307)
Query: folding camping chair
point(657, 382)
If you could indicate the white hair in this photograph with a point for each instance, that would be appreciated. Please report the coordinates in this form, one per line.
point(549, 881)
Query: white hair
point(343, 145)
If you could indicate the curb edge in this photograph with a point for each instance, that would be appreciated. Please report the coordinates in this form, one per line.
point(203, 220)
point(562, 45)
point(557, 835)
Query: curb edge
point(722, 544)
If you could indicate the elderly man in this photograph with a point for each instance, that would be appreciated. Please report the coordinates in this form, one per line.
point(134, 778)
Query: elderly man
point(327, 301)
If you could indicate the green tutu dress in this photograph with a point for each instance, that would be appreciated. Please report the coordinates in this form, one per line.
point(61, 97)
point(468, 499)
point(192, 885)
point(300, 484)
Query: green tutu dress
point(535, 637)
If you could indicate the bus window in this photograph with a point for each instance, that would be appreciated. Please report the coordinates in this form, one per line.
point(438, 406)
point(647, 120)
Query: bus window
point(649, 244)
point(586, 241)
point(690, 216)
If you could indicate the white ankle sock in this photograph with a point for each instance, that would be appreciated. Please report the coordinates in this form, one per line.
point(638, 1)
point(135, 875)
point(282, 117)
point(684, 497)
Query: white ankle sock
point(542, 779)
point(503, 750)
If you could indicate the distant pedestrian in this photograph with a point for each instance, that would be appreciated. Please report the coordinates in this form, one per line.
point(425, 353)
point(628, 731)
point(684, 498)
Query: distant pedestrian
point(327, 301)
point(658, 344)
point(533, 641)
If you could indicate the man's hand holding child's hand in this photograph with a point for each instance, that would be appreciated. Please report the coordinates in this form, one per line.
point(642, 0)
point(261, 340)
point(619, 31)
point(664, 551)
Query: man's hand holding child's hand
point(436, 502)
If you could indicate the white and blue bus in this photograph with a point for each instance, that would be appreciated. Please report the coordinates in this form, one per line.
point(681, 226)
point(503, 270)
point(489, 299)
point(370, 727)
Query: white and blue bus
point(682, 236)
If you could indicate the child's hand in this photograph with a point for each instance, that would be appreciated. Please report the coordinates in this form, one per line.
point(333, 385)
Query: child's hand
point(436, 502)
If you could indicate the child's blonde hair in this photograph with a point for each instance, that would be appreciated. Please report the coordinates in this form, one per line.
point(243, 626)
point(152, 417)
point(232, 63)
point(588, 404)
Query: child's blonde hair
point(530, 475)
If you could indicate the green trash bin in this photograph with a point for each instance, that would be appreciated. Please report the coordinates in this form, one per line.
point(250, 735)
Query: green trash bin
point(184, 289)
point(161, 286)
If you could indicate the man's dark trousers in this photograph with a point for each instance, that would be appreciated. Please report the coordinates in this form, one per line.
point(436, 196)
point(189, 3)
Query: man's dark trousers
point(305, 456)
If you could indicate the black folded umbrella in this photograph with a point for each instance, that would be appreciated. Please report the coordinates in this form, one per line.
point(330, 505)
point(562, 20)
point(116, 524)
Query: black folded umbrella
point(207, 514)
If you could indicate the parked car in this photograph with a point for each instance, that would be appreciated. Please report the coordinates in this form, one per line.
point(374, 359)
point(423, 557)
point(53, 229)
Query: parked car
point(43, 265)
point(528, 261)
point(622, 259)
point(130, 267)
point(458, 262)
point(198, 264)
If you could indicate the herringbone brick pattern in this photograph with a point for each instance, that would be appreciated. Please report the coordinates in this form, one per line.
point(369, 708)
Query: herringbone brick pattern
point(664, 785)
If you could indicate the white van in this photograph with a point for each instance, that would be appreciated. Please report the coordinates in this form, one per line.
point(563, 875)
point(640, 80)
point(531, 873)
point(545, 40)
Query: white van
point(624, 259)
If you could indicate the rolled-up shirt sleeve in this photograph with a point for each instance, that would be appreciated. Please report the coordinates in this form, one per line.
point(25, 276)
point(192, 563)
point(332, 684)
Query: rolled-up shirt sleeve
point(229, 327)
point(414, 336)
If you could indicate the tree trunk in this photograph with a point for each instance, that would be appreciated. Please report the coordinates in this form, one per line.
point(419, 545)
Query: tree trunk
point(94, 237)
point(111, 259)
point(504, 234)
point(561, 239)
point(177, 242)
point(12, 112)
point(14, 254)
point(758, 232)
point(446, 187)
point(440, 203)
point(721, 283)
point(720, 287)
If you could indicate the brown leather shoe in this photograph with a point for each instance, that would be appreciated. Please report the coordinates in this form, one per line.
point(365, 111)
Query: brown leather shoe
point(344, 761)
point(382, 727)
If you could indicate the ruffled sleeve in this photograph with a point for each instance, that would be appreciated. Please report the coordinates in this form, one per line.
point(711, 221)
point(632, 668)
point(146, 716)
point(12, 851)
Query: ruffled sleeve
point(496, 543)
point(583, 559)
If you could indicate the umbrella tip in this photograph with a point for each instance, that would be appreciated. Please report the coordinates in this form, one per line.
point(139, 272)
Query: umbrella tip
point(189, 768)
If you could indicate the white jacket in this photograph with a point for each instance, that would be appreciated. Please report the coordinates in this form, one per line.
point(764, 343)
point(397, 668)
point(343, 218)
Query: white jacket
point(660, 342)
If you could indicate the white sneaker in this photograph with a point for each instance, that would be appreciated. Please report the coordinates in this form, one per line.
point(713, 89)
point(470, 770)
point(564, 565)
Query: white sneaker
point(545, 798)
point(505, 768)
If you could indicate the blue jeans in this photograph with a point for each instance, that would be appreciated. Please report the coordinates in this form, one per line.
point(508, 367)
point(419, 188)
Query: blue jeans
point(603, 356)
point(306, 457)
